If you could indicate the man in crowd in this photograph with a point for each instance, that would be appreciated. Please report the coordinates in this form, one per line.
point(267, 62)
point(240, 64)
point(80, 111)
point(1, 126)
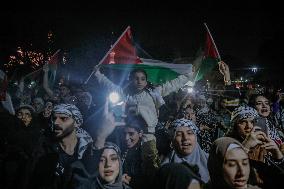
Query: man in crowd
point(68, 143)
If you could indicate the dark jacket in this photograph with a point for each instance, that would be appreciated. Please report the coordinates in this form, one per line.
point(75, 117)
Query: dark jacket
point(141, 163)
point(52, 167)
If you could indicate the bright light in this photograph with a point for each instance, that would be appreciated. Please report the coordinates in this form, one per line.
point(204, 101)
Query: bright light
point(190, 90)
point(114, 97)
point(254, 69)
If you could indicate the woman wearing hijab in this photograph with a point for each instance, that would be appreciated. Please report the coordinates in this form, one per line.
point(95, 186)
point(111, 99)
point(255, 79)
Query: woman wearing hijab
point(265, 155)
point(228, 165)
point(110, 168)
point(177, 176)
point(186, 148)
point(107, 173)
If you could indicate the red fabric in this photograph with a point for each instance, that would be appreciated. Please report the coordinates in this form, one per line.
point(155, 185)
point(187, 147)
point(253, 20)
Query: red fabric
point(210, 50)
point(123, 51)
point(56, 57)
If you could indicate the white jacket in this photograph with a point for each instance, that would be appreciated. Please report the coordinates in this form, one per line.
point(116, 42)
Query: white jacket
point(147, 102)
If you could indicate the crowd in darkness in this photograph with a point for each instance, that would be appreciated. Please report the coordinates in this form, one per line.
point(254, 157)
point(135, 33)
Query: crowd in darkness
point(57, 137)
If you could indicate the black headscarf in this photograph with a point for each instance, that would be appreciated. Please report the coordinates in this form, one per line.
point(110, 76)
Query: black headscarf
point(175, 176)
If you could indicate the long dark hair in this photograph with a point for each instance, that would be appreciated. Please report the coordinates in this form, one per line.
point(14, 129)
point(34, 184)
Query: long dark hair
point(252, 99)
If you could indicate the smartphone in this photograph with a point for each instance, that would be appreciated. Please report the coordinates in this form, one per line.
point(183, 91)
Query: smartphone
point(119, 113)
point(261, 123)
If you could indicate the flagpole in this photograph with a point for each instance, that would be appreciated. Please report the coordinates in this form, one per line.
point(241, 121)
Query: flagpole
point(102, 60)
point(32, 73)
point(212, 40)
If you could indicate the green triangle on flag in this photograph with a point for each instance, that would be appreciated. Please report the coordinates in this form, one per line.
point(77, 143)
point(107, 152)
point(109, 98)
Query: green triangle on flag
point(211, 57)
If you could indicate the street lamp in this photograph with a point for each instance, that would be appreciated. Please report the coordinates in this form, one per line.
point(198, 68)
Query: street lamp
point(254, 69)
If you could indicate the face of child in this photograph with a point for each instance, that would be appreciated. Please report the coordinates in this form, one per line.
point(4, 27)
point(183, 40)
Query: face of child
point(139, 81)
point(262, 106)
point(25, 115)
point(244, 127)
point(131, 137)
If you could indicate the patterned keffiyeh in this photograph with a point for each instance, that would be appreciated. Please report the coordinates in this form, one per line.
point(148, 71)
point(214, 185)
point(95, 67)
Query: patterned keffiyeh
point(183, 123)
point(69, 110)
point(207, 118)
point(243, 112)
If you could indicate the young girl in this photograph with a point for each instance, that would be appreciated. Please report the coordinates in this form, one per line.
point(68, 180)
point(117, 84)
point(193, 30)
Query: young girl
point(142, 98)
point(110, 169)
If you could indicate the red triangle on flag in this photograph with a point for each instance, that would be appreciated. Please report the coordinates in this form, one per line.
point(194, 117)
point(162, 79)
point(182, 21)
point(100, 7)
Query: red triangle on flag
point(122, 51)
point(210, 50)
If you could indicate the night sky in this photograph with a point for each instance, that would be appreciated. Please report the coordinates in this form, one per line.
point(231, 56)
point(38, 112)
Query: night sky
point(246, 33)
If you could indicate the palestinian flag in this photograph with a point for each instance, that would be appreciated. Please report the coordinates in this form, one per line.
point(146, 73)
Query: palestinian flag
point(34, 79)
point(211, 57)
point(123, 58)
point(158, 72)
point(53, 64)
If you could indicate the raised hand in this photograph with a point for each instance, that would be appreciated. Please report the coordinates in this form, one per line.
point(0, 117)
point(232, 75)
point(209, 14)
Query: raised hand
point(255, 138)
point(105, 127)
point(45, 68)
point(126, 179)
point(272, 147)
point(225, 71)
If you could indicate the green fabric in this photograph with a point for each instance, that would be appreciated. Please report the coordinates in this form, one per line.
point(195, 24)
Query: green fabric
point(156, 74)
point(207, 65)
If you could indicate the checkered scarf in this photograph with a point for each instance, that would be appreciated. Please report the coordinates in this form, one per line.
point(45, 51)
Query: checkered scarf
point(69, 110)
point(183, 123)
point(243, 112)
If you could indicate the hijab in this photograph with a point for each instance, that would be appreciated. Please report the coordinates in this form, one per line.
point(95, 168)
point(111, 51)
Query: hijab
point(175, 176)
point(118, 184)
point(216, 161)
point(198, 157)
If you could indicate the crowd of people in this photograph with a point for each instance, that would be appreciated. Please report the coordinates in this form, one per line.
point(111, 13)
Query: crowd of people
point(168, 138)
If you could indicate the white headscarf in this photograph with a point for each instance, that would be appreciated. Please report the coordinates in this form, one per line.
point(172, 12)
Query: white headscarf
point(197, 157)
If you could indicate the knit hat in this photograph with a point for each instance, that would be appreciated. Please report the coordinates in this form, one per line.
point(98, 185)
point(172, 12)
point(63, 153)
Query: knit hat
point(26, 106)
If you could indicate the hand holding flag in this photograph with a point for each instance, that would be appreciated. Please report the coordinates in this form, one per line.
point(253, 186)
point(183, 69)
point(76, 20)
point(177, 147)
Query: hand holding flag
point(211, 56)
point(225, 71)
